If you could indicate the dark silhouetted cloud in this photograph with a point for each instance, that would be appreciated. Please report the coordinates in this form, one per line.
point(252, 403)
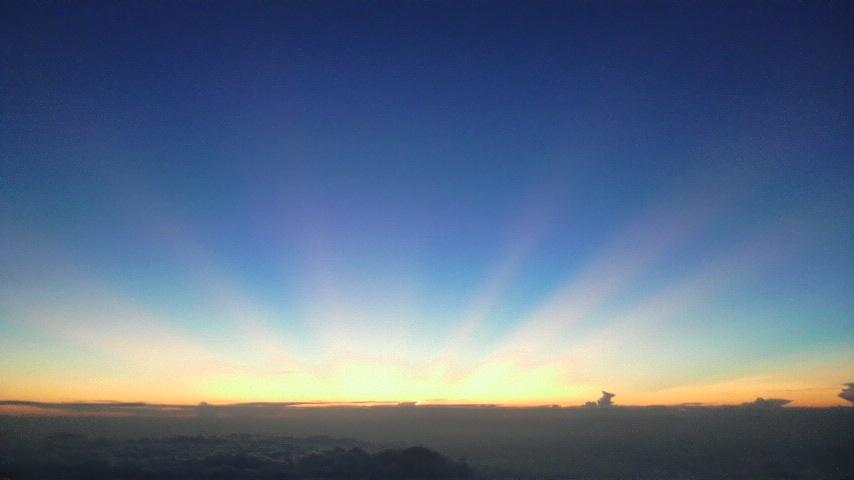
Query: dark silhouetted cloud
point(606, 399)
point(768, 403)
point(848, 393)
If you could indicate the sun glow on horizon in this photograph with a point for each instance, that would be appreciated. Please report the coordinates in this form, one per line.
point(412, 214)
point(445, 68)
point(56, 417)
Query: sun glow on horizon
point(541, 361)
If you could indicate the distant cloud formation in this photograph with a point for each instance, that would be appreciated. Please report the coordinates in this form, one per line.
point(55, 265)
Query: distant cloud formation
point(768, 403)
point(847, 393)
point(604, 401)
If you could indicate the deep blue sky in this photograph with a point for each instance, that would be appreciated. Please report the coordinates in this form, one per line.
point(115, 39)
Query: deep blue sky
point(431, 183)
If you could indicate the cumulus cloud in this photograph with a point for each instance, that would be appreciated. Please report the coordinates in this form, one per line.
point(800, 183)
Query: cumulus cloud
point(606, 399)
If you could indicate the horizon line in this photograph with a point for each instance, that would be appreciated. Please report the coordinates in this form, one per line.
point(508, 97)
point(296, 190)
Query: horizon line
point(33, 407)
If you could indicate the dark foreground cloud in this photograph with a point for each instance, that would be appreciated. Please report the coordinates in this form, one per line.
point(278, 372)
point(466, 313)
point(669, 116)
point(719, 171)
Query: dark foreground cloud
point(707, 443)
point(70, 457)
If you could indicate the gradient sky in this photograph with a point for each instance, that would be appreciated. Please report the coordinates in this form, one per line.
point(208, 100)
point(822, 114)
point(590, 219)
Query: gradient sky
point(426, 201)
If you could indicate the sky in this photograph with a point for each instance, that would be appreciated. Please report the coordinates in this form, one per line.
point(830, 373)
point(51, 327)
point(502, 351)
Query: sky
point(443, 202)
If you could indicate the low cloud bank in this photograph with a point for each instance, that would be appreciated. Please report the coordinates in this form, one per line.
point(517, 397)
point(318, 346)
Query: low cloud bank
point(142, 408)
